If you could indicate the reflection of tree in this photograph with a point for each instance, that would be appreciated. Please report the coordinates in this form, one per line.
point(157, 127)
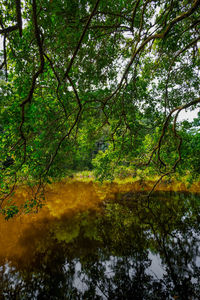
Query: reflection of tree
point(175, 229)
point(49, 280)
point(111, 250)
point(125, 278)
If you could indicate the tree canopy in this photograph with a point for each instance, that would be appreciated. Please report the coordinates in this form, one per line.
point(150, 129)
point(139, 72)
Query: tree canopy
point(82, 76)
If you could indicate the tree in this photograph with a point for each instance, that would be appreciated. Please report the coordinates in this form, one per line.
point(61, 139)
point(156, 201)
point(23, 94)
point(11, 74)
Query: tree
point(76, 70)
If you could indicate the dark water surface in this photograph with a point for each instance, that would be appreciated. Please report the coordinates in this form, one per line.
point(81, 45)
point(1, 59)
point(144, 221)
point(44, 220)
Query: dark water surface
point(115, 249)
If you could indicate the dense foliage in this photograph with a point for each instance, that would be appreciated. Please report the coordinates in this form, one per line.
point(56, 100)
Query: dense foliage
point(97, 84)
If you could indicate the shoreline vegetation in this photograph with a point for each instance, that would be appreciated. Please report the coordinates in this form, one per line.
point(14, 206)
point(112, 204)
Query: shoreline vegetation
point(141, 184)
point(81, 191)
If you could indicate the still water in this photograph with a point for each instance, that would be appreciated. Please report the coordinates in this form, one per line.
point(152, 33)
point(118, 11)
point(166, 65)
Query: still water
point(92, 242)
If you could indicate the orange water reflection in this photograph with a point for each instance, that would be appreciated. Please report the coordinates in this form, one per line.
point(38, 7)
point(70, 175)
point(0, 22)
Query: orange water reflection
point(19, 236)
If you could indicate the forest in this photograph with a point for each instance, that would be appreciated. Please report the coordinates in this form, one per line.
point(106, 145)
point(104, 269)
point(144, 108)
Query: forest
point(97, 86)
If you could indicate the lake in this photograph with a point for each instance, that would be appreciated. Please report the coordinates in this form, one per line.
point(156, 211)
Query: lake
point(102, 242)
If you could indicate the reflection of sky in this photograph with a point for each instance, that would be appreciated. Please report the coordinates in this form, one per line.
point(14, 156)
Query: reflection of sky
point(155, 268)
point(79, 278)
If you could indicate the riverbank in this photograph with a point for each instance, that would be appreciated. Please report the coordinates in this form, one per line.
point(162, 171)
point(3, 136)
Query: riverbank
point(82, 192)
point(141, 184)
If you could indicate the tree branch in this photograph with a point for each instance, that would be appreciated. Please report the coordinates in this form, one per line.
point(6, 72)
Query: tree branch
point(80, 40)
point(173, 168)
point(19, 16)
point(9, 29)
point(160, 35)
point(36, 75)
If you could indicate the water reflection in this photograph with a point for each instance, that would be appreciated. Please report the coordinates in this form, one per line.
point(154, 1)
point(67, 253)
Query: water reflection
point(97, 249)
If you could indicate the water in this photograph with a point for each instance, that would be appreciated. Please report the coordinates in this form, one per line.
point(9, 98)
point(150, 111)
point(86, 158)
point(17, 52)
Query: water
point(103, 247)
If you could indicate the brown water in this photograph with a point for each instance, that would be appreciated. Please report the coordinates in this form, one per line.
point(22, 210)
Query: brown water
point(102, 242)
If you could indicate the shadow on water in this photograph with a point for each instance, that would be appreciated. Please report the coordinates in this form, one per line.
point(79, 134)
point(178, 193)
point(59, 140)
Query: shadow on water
point(115, 249)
